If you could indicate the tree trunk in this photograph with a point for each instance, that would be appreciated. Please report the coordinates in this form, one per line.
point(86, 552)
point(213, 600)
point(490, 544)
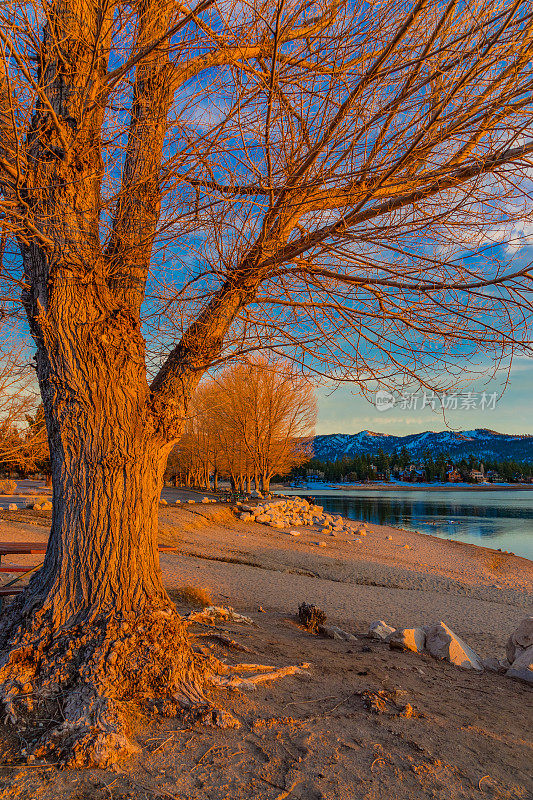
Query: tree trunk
point(95, 629)
point(215, 480)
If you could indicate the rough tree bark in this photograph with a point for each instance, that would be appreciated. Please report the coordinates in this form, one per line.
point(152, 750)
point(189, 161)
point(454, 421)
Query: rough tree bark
point(96, 628)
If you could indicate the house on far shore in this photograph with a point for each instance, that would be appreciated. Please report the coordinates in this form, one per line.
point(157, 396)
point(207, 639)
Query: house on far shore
point(477, 475)
point(414, 474)
point(453, 476)
point(493, 476)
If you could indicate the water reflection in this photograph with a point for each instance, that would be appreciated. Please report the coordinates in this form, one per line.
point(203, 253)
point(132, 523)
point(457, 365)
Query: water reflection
point(498, 519)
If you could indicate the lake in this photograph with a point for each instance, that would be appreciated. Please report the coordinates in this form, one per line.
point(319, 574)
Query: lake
point(497, 519)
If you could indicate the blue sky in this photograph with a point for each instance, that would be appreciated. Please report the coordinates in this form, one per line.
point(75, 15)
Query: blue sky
point(345, 410)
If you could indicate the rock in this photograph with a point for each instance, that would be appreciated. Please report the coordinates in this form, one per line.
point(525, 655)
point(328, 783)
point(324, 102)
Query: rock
point(493, 665)
point(522, 667)
point(380, 630)
point(206, 500)
point(257, 494)
point(442, 643)
point(46, 506)
point(36, 507)
point(333, 632)
point(178, 502)
point(263, 518)
point(163, 502)
point(190, 501)
point(389, 538)
point(322, 544)
point(520, 639)
point(408, 639)
point(294, 533)
point(246, 517)
point(12, 507)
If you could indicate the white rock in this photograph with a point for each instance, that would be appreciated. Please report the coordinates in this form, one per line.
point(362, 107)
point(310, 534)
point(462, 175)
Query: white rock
point(36, 507)
point(522, 667)
point(206, 500)
point(294, 533)
point(408, 639)
point(520, 639)
point(190, 501)
point(334, 632)
point(46, 506)
point(442, 643)
point(12, 507)
point(245, 517)
point(178, 502)
point(380, 630)
point(163, 502)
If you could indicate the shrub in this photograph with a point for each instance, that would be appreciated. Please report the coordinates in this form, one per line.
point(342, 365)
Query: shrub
point(311, 616)
point(195, 595)
point(8, 487)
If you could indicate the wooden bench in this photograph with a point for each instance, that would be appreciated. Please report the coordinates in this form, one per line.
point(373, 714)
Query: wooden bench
point(17, 548)
point(31, 548)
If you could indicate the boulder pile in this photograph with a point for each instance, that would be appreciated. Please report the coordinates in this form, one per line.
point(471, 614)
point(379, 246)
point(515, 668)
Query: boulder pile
point(295, 511)
point(438, 640)
point(442, 643)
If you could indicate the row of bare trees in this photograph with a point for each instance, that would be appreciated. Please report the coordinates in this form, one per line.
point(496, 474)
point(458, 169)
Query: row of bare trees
point(250, 422)
point(23, 440)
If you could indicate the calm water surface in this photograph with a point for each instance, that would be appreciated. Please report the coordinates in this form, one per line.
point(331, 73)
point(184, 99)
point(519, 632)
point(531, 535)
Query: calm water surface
point(498, 519)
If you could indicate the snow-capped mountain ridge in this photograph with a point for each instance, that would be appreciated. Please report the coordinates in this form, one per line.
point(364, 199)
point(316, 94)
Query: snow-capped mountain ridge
point(481, 442)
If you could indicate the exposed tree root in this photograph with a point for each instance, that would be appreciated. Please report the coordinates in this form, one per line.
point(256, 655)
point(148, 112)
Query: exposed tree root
point(76, 690)
point(265, 673)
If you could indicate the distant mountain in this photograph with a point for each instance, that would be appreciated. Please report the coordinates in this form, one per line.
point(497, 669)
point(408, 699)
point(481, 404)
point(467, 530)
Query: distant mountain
point(481, 442)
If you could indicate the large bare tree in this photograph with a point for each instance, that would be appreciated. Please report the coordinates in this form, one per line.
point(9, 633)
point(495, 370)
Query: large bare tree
point(222, 177)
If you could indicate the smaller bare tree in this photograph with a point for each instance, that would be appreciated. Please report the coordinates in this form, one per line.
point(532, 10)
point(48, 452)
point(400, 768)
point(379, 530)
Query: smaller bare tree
point(252, 421)
point(23, 440)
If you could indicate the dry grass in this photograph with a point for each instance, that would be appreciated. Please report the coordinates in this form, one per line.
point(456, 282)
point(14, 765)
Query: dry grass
point(194, 595)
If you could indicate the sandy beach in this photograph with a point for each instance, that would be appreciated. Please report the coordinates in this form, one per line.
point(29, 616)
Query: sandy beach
point(469, 735)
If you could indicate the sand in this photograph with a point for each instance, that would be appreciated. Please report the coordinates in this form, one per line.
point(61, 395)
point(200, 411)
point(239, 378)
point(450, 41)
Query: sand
point(325, 734)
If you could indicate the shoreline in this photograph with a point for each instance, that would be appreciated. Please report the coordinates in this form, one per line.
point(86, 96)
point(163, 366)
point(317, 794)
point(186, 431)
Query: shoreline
point(410, 487)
